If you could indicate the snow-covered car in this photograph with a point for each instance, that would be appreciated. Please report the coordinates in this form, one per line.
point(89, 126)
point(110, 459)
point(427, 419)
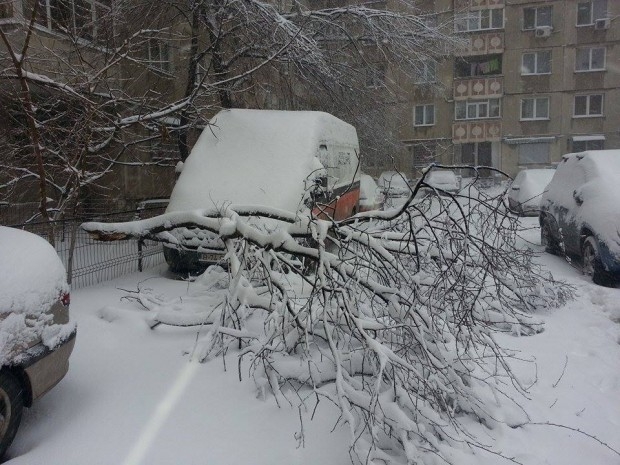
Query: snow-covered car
point(393, 184)
point(580, 212)
point(443, 180)
point(286, 160)
point(526, 191)
point(371, 197)
point(36, 335)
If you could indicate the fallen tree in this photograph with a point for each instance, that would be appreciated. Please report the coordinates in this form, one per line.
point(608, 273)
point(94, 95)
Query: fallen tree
point(395, 325)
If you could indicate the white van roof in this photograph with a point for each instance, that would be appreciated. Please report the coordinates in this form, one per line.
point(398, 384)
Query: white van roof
point(257, 157)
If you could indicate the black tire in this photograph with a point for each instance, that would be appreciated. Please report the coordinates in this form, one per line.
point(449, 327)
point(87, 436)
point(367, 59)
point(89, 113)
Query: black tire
point(547, 239)
point(11, 406)
point(592, 265)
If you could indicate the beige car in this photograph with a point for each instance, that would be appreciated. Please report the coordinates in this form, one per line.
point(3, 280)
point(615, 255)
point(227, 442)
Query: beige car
point(36, 335)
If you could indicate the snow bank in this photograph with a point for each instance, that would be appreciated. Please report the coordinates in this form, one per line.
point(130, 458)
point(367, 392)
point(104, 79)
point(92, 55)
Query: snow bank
point(31, 273)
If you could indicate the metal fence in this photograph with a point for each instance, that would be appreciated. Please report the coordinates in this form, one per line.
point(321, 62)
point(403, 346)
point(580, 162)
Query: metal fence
point(89, 261)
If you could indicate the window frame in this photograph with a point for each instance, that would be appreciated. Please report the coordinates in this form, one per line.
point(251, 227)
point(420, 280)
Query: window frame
point(588, 113)
point(428, 74)
point(536, 25)
point(590, 50)
point(598, 143)
point(536, 54)
point(466, 18)
point(489, 104)
point(425, 113)
point(535, 116)
point(592, 17)
point(46, 20)
point(154, 64)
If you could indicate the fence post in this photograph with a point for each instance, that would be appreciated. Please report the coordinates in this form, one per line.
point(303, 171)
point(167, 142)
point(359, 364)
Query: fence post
point(140, 243)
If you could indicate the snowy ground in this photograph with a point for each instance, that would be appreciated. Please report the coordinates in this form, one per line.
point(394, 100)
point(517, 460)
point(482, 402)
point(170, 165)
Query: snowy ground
point(131, 397)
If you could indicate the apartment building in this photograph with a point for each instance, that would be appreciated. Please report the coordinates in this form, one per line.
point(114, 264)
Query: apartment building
point(534, 80)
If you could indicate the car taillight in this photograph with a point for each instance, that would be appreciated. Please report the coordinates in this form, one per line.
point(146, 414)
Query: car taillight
point(66, 299)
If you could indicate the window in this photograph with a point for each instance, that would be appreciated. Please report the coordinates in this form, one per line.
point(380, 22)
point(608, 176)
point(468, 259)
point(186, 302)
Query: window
point(375, 75)
point(6, 9)
point(477, 109)
point(588, 105)
point(536, 62)
point(478, 66)
point(534, 108)
point(583, 145)
point(426, 73)
point(158, 56)
point(588, 12)
point(590, 59)
point(479, 20)
point(424, 115)
point(537, 17)
point(536, 153)
point(86, 19)
point(423, 153)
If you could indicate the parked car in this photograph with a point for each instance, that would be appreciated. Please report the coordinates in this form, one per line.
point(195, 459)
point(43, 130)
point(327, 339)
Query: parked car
point(371, 197)
point(36, 336)
point(289, 160)
point(580, 212)
point(444, 180)
point(393, 184)
point(526, 191)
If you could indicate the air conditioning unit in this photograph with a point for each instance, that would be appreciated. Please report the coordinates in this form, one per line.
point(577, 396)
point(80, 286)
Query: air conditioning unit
point(544, 31)
point(602, 23)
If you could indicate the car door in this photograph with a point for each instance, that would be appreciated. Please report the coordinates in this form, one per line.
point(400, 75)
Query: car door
point(566, 210)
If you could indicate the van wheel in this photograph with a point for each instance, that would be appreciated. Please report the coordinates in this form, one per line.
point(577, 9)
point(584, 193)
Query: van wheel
point(592, 265)
point(11, 406)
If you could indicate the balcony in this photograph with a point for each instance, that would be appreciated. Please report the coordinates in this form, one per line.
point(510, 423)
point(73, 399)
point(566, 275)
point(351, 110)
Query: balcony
point(483, 43)
point(478, 87)
point(460, 5)
point(476, 131)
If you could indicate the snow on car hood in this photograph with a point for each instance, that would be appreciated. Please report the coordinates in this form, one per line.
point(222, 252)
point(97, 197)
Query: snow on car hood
point(32, 277)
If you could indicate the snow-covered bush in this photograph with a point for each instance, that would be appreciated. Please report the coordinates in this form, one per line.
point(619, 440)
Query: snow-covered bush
point(395, 325)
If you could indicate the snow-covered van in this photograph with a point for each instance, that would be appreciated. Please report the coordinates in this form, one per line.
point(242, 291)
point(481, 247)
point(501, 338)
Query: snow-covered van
point(290, 160)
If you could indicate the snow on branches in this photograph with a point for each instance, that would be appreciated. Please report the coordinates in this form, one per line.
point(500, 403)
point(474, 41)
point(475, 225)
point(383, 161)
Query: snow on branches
point(390, 315)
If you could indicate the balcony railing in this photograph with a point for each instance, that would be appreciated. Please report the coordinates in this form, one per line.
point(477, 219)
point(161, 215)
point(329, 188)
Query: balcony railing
point(476, 131)
point(478, 87)
point(483, 43)
point(460, 5)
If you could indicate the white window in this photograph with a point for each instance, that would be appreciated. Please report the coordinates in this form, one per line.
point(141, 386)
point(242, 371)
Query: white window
point(534, 108)
point(426, 73)
point(424, 115)
point(86, 19)
point(590, 59)
point(536, 153)
point(588, 105)
point(537, 17)
point(536, 62)
point(477, 109)
point(479, 20)
point(588, 12)
point(158, 55)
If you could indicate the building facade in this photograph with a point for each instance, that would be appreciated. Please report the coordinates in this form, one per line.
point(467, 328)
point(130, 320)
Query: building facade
point(533, 80)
